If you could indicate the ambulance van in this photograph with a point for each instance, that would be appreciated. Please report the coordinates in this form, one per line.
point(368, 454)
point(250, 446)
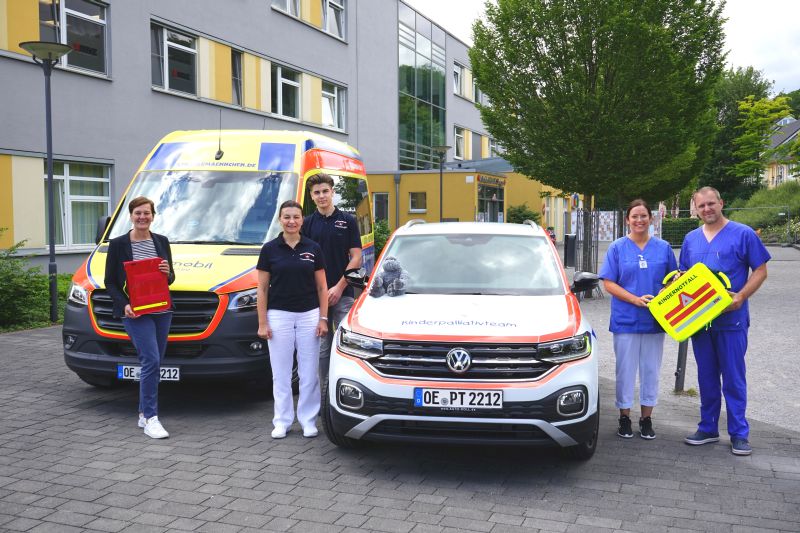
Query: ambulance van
point(216, 195)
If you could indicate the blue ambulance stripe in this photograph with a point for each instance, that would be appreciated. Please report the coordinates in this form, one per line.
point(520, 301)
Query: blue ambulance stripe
point(165, 156)
point(276, 156)
point(337, 148)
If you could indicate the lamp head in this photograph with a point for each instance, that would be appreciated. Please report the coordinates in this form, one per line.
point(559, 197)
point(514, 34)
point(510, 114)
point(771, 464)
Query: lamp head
point(441, 150)
point(45, 50)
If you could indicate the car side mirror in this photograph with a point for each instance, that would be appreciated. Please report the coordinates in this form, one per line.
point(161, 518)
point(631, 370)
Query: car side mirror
point(584, 282)
point(102, 226)
point(356, 277)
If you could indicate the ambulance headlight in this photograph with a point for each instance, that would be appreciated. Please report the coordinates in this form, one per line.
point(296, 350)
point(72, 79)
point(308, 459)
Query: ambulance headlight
point(358, 345)
point(565, 350)
point(240, 301)
point(78, 294)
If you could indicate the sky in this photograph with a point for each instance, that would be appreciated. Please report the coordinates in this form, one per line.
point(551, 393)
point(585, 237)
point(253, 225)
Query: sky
point(759, 34)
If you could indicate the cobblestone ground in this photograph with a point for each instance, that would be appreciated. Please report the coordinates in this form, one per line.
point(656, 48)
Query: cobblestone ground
point(72, 459)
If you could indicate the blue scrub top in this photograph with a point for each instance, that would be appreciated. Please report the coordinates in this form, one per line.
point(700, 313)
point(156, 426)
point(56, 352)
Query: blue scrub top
point(735, 250)
point(622, 266)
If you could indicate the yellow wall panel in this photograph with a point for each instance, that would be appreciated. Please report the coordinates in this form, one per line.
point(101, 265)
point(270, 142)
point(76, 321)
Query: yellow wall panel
point(6, 202)
point(315, 103)
point(485, 147)
point(467, 144)
point(252, 81)
point(22, 23)
point(28, 193)
point(223, 73)
point(266, 83)
point(468, 84)
point(311, 12)
point(205, 68)
point(4, 25)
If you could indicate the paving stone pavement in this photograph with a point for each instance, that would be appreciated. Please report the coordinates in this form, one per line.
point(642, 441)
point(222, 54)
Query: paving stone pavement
point(72, 459)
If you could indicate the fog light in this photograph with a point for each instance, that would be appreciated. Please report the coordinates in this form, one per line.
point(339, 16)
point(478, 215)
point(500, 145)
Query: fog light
point(256, 346)
point(571, 403)
point(69, 340)
point(350, 396)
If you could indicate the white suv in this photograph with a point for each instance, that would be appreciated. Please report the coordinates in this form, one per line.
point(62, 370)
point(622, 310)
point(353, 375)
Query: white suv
point(487, 345)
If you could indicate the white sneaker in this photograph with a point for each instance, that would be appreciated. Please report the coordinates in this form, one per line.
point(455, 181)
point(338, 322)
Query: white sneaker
point(310, 432)
point(154, 429)
point(279, 432)
point(142, 421)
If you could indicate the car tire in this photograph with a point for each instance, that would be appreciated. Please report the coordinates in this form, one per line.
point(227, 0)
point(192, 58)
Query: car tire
point(327, 424)
point(585, 450)
point(101, 382)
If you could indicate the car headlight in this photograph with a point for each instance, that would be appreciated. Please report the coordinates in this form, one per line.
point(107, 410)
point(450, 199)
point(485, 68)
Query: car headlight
point(565, 350)
point(78, 294)
point(240, 301)
point(357, 345)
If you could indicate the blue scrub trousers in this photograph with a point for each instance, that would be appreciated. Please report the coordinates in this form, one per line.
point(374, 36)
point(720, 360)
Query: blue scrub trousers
point(148, 334)
point(720, 353)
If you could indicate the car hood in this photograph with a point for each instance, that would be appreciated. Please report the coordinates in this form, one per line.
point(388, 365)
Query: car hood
point(466, 317)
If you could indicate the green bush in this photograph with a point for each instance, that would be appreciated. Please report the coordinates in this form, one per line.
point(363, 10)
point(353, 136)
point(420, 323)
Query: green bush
point(23, 290)
point(381, 235)
point(517, 214)
point(764, 208)
point(673, 230)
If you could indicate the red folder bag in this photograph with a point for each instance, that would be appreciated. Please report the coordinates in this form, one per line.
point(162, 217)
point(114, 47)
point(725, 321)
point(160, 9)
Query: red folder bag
point(148, 290)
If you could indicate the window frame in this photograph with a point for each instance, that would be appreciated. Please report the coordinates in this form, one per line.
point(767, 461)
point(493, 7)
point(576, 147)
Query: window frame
point(290, 7)
point(62, 32)
point(68, 199)
point(458, 78)
point(339, 105)
point(237, 85)
point(458, 152)
point(277, 98)
point(411, 208)
point(336, 5)
point(166, 44)
point(375, 204)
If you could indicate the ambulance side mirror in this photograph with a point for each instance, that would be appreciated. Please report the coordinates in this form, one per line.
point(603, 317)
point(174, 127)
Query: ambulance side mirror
point(584, 282)
point(356, 277)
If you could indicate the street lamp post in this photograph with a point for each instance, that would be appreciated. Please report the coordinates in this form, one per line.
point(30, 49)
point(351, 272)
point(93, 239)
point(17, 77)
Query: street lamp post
point(441, 151)
point(47, 55)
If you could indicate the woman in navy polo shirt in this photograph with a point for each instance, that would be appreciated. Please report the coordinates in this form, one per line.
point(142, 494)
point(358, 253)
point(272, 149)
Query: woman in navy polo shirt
point(292, 314)
point(632, 273)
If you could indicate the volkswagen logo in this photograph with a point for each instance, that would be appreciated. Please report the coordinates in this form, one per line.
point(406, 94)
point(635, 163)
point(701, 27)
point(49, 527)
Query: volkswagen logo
point(458, 360)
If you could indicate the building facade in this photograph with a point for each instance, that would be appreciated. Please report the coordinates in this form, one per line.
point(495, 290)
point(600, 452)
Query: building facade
point(373, 73)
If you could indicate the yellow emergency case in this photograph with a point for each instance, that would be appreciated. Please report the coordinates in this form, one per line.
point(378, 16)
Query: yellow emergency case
point(690, 302)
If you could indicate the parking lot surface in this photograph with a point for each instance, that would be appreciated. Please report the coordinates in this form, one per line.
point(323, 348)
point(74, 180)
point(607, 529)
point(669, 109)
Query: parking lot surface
point(72, 458)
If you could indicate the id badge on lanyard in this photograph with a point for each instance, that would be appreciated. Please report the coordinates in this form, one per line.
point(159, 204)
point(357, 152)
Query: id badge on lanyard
point(642, 261)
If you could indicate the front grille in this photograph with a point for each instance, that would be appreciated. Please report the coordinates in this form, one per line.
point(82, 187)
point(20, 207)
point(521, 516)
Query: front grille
point(489, 361)
point(457, 431)
point(192, 314)
point(177, 350)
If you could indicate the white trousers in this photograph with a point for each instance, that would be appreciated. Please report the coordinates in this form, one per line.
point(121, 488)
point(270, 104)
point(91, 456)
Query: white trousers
point(642, 352)
point(292, 331)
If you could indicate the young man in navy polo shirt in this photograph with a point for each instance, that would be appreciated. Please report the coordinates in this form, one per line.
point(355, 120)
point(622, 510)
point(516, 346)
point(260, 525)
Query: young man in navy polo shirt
point(337, 234)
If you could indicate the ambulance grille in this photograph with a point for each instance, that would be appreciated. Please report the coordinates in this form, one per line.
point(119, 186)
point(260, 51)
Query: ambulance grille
point(192, 314)
point(488, 361)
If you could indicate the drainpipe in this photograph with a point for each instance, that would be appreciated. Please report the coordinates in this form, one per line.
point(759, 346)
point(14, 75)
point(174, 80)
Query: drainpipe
point(397, 200)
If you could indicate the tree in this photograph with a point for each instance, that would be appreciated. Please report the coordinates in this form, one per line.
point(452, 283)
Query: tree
point(733, 87)
point(597, 96)
point(794, 102)
point(517, 214)
point(757, 123)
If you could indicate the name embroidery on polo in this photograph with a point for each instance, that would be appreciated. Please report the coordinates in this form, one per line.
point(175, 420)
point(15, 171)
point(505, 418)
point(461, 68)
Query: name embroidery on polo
point(340, 224)
point(307, 256)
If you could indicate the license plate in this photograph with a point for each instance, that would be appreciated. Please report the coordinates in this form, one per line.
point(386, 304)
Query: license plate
point(131, 372)
point(458, 398)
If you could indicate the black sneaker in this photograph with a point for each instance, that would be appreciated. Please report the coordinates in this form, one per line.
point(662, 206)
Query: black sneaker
point(701, 437)
point(646, 428)
point(625, 430)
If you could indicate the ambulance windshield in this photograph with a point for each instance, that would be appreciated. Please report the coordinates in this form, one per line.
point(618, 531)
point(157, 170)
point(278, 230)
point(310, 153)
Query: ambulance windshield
point(212, 207)
point(477, 264)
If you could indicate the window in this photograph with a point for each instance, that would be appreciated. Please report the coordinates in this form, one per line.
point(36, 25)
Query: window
point(380, 202)
point(175, 54)
point(85, 25)
point(417, 202)
point(332, 105)
point(82, 196)
point(458, 79)
point(289, 6)
point(333, 13)
point(476, 92)
point(458, 134)
point(285, 92)
point(236, 77)
point(495, 148)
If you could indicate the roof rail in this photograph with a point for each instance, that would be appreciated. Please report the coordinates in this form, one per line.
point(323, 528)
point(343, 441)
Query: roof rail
point(531, 223)
point(413, 222)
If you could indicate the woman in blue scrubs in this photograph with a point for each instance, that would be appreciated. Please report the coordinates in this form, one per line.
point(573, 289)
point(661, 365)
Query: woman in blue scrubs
point(632, 273)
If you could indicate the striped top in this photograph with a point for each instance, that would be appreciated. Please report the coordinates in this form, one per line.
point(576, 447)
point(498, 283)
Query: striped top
point(143, 249)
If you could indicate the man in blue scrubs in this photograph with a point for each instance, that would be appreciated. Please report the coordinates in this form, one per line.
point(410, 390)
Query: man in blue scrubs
point(337, 234)
point(734, 249)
